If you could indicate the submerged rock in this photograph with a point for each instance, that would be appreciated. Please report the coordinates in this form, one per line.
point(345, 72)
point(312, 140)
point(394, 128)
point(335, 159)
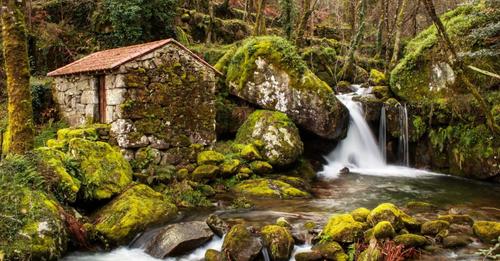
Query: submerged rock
point(180, 238)
point(342, 228)
point(411, 240)
point(269, 188)
point(269, 72)
point(455, 241)
point(133, 211)
point(280, 136)
point(433, 228)
point(218, 226)
point(279, 242)
point(239, 244)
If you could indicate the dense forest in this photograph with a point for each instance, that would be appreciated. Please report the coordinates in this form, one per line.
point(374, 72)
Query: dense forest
point(250, 130)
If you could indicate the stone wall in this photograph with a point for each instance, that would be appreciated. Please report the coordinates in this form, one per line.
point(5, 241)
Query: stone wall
point(77, 99)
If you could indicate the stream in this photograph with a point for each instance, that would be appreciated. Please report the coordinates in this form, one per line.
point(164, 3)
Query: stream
point(371, 181)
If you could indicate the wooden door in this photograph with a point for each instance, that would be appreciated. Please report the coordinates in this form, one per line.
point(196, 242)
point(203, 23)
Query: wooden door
point(101, 82)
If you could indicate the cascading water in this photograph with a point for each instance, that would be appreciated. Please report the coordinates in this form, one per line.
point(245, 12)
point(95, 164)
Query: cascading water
point(382, 133)
point(403, 147)
point(359, 151)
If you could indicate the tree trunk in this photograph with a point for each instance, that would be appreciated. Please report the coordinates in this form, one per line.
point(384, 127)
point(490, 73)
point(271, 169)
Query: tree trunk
point(458, 67)
point(348, 68)
point(307, 10)
point(260, 20)
point(350, 16)
point(397, 37)
point(20, 131)
point(248, 10)
point(380, 31)
point(211, 23)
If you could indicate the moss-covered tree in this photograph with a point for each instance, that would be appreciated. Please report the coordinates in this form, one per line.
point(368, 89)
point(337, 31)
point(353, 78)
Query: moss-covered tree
point(260, 20)
point(288, 16)
point(308, 7)
point(20, 132)
point(397, 37)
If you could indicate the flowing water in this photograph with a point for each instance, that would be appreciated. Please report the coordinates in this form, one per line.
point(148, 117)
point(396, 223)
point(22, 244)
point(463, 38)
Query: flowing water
point(382, 133)
point(403, 147)
point(370, 182)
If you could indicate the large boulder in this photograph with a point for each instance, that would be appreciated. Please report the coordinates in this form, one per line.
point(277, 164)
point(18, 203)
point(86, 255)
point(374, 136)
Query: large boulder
point(269, 188)
point(176, 239)
point(392, 214)
point(133, 211)
point(281, 139)
point(269, 72)
point(487, 231)
point(104, 170)
point(239, 244)
point(342, 228)
point(31, 227)
point(279, 242)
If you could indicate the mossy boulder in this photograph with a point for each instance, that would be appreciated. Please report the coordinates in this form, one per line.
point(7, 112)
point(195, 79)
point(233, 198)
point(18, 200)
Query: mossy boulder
point(487, 231)
point(269, 72)
point(104, 170)
point(377, 77)
point(434, 227)
point(250, 152)
point(411, 240)
point(342, 228)
point(261, 167)
point(418, 206)
point(360, 214)
point(280, 136)
point(383, 230)
point(32, 226)
point(55, 161)
point(92, 132)
point(230, 167)
point(330, 251)
point(131, 212)
point(268, 188)
point(209, 157)
point(457, 219)
point(389, 212)
point(212, 255)
point(205, 172)
point(279, 242)
point(240, 244)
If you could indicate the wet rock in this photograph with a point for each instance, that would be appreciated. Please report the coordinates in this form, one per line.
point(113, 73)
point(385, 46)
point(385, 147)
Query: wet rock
point(433, 228)
point(389, 212)
point(205, 172)
point(212, 255)
point(218, 226)
point(269, 72)
point(360, 214)
point(457, 219)
point(455, 241)
point(343, 87)
point(343, 228)
point(419, 207)
point(229, 167)
point(345, 171)
point(280, 137)
point(487, 231)
point(383, 230)
point(268, 188)
point(279, 242)
point(239, 244)
point(180, 238)
point(131, 212)
point(330, 251)
point(411, 240)
point(261, 167)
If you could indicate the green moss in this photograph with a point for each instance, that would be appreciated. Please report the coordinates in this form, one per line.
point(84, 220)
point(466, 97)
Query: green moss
point(377, 77)
point(360, 214)
point(330, 251)
point(433, 228)
point(417, 206)
point(278, 240)
point(411, 240)
point(86, 132)
point(105, 172)
point(133, 211)
point(487, 231)
point(250, 152)
point(457, 219)
point(383, 230)
point(205, 172)
point(230, 167)
point(210, 157)
point(261, 167)
point(187, 194)
point(386, 212)
point(268, 188)
point(342, 228)
point(144, 157)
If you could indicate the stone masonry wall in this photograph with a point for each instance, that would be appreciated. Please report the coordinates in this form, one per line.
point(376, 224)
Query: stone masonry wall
point(77, 99)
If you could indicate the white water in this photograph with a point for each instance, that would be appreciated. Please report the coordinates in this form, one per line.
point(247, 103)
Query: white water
point(138, 254)
point(359, 151)
point(404, 154)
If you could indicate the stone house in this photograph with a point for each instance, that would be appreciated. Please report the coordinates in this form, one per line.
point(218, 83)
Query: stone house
point(156, 94)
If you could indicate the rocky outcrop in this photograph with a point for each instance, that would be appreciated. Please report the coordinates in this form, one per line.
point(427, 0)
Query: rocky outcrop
point(269, 188)
point(280, 139)
point(279, 242)
point(267, 71)
point(180, 238)
point(133, 211)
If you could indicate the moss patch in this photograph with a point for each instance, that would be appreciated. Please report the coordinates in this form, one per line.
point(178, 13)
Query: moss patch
point(342, 228)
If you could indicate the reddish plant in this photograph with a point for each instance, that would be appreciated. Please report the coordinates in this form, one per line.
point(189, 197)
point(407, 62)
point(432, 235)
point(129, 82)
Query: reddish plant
point(76, 229)
point(398, 252)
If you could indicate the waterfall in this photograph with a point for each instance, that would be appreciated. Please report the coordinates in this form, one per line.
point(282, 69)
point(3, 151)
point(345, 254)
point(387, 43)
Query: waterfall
point(359, 149)
point(403, 147)
point(382, 133)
